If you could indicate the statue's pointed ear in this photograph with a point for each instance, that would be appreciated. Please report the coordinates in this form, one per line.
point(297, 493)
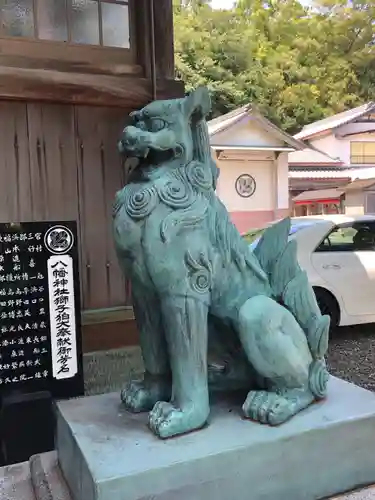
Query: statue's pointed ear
point(198, 100)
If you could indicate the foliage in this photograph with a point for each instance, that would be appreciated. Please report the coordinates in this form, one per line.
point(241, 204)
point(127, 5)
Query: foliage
point(297, 63)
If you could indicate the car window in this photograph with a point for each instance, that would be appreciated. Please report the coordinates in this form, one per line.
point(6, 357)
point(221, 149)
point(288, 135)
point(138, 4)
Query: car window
point(355, 237)
point(253, 237)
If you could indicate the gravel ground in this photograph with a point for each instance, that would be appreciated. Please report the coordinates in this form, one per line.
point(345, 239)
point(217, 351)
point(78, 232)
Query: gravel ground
point(352, 355)
point(108, 371)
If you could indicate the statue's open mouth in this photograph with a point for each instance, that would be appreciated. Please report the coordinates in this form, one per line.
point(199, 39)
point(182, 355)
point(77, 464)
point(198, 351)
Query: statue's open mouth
point(155, 157)
point(151, 148)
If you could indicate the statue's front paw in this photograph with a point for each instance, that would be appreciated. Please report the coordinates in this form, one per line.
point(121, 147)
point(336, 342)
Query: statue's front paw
point(140, 396)
point(166, 421)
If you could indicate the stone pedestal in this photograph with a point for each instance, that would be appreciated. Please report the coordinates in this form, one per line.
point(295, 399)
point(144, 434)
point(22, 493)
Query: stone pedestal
point(107, 454)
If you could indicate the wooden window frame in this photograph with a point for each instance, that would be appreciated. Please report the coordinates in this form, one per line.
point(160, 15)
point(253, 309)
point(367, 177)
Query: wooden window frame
point(36, 70)
point(24, 52)
point(68, 8)
point(60, 56)
point(363, 158)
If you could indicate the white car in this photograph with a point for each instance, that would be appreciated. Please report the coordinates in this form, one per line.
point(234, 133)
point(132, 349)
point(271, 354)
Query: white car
point(338, 254)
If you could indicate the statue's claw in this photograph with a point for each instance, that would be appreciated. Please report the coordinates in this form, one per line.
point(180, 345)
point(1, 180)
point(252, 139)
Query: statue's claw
point(265, 407)
point(141, 396)
point(274, 409)
point(166, 421)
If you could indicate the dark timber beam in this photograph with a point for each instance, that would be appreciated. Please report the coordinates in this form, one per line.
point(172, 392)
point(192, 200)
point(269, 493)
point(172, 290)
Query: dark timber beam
point(75, 88)
point(163, 28)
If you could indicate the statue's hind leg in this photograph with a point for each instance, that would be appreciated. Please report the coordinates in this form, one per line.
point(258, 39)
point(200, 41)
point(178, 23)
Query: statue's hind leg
point(277, 348)
point(141, 395)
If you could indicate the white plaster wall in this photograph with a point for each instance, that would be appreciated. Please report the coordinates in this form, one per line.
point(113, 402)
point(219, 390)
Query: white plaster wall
point(262, 171)
point(354, 203)
point(282, 181)
point(370, 202)
point(363, 173)
point(332, 146)
point(247, 132)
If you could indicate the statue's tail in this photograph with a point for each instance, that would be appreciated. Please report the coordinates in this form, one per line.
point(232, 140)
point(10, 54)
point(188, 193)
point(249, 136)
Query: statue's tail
point(278, 257)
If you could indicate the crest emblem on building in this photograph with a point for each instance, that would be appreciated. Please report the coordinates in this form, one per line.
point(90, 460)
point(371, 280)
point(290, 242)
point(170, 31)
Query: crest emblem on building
point(245, 185)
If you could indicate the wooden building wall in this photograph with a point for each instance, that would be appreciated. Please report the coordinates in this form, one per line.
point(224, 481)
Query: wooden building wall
point(60, 162)
point(59, 130)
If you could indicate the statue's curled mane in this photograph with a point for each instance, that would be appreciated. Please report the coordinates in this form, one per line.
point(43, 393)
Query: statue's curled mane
point(202, 174)
point(194, 183)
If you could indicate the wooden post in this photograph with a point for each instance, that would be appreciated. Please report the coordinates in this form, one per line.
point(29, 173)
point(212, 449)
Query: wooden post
point(141, 16)
point(164, 46)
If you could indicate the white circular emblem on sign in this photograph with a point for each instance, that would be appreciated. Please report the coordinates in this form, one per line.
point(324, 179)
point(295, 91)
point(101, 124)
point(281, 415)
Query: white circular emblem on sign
point(59, 240)
point(245, 185)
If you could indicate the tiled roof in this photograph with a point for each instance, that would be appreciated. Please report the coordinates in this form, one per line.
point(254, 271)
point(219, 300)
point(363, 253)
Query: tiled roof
point(310, 156)
point(226, 121)
point(335, 121)
point(319, 174)
point(319, 194)
point(360, 184)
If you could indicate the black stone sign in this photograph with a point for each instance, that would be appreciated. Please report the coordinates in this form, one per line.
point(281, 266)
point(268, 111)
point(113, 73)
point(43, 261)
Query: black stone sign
point(40, 330)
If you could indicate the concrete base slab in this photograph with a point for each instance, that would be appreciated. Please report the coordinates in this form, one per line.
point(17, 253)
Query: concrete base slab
point(106, 453)
point(15, 482)
point(364, 494)
point(38, 479)
point(46, 478)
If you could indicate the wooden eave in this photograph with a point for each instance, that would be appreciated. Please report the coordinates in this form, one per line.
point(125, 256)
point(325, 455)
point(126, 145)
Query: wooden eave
point(82, 88)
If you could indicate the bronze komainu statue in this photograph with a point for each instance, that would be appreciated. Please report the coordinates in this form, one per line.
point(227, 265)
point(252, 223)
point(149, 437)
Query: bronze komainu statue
point(207, 307)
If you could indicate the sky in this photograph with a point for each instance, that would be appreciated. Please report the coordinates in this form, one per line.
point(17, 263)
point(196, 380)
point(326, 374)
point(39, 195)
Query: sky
point(222, 4)
point(227, 4)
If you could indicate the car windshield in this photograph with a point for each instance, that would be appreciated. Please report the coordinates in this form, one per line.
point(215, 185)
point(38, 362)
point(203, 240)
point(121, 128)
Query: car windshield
point(253, 236)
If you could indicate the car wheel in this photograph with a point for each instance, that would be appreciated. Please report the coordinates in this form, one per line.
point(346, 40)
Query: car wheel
point(328, 305)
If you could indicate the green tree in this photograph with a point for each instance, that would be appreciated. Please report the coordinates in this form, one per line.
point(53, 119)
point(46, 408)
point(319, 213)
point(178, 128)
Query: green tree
point(297, 64)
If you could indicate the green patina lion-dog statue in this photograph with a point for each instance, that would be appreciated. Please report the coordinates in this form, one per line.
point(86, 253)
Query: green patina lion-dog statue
point(207, 307)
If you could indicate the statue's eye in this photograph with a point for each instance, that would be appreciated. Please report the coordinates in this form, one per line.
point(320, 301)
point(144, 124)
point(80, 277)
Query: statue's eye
point(134, 117)
point(157, 124)
point(141, 124)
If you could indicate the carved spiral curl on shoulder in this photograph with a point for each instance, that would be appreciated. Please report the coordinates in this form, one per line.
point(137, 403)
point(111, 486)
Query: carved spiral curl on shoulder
point(176, 192)
point(141, 203)
point(199, 175)
point(318, 378)
point(121, 198)
point(200, 273)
